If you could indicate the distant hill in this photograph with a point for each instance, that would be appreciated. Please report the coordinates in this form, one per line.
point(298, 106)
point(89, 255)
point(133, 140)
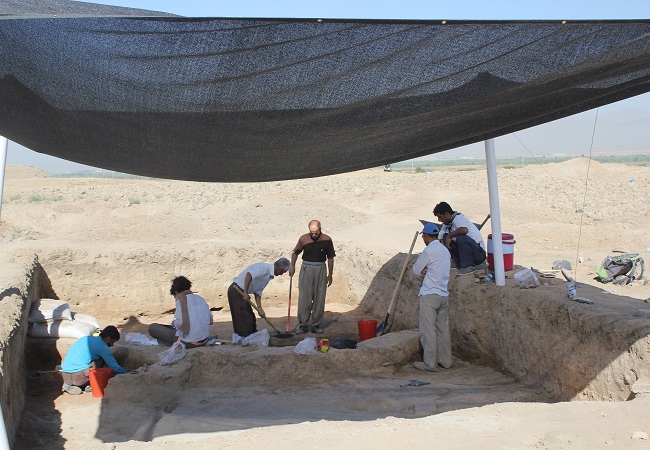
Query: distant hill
point(15, 171)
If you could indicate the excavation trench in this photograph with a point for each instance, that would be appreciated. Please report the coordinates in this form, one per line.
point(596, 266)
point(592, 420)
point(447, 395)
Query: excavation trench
point(509, 345)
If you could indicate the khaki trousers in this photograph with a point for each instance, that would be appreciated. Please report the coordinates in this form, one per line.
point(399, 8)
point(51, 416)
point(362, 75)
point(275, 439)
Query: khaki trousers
point(312, 285)
point(434, 330)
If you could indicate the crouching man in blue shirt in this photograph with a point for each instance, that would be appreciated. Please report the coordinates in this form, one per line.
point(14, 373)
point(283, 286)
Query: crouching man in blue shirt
point(89, 352)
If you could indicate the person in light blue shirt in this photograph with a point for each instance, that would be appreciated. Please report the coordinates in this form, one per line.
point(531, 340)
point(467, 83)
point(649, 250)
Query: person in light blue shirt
point(89, 352)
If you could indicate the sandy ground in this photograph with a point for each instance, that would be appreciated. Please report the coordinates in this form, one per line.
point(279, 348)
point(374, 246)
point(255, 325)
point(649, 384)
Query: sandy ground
point(371, 215)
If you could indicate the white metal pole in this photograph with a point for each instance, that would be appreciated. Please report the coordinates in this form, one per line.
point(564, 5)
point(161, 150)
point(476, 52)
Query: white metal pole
point(4, 442)
point(495, 213)
point(3, 164)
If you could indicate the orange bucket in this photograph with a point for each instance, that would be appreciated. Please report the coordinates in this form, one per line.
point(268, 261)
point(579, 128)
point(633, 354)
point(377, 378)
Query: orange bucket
point(367, 329)
point(99, 379)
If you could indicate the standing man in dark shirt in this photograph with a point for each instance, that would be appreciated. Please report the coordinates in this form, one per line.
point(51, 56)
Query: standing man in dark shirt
point(315, 277)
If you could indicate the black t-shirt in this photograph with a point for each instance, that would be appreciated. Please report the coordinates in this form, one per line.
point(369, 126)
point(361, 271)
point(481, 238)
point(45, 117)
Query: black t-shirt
point(315, 251)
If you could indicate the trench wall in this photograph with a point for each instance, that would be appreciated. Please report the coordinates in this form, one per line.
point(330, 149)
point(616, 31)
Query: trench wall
point(574, 351)
point(22, 280)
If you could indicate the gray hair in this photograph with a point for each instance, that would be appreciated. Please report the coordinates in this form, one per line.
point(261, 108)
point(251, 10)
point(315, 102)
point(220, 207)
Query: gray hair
point(283, 263)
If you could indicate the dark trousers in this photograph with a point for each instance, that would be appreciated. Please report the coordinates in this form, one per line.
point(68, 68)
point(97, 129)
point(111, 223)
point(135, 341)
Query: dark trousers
point(466, 252)
point(243, 318)
point(167, 334)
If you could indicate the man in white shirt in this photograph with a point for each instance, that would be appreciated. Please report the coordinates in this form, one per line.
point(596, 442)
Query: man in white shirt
point(434, 264)
point(462, 238)
point(252, 280)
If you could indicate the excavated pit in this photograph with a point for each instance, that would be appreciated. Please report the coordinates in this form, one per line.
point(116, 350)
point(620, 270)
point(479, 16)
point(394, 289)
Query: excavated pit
point(510, 345)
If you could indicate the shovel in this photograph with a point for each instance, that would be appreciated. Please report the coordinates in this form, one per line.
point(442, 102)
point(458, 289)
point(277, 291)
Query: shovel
point(289, 307)
point(385, 325)
point(279, 333)
point(38, 373)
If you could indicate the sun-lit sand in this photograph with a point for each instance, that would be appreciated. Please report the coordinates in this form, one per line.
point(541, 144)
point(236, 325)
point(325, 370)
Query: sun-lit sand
point(110, 247)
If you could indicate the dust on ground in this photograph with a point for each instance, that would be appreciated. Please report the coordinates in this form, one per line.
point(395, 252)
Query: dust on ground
point(371, 215)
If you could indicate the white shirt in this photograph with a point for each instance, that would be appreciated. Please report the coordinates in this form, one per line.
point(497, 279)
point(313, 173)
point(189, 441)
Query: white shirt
point(200, 316)
point(435, 257)
point(460, 221)
point(261, 272)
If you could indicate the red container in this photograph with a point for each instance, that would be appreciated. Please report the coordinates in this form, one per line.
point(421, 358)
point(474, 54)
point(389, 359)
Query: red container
point(508, 241)
point(99, 379)
point(367, 329)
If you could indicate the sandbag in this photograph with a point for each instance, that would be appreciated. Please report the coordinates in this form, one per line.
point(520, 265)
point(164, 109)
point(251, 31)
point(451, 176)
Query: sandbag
point(86, 318)
point(48, 310)
point(60, 329)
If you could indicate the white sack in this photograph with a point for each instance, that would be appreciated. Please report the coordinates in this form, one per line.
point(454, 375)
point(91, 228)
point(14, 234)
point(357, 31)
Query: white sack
point(47, 310)
point(60, 329)
point(86, 319)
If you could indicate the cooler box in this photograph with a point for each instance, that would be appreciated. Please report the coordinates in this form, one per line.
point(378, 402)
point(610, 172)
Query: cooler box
point(508, 241)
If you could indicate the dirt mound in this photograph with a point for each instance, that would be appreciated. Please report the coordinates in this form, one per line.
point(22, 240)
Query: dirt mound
point(18, 171)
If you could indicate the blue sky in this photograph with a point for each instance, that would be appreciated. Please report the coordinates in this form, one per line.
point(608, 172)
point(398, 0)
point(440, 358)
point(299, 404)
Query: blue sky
point(622, 126)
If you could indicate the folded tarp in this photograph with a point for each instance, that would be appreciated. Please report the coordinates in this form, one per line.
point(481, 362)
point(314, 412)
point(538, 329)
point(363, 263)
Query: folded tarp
point(236, 100)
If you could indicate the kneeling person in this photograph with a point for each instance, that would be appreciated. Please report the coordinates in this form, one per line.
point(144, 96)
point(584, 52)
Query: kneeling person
point(89, 352)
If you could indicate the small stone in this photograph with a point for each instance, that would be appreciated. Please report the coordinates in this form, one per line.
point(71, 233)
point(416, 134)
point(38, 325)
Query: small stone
point(640, 435)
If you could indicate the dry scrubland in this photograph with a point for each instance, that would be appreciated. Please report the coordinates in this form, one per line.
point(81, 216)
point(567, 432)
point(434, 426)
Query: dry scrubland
point(92, 235)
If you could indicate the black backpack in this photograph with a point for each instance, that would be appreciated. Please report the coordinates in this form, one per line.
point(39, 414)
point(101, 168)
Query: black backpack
point(621, 269)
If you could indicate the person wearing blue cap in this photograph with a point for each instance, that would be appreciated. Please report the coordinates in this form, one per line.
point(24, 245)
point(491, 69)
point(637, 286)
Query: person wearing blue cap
point(434, 265)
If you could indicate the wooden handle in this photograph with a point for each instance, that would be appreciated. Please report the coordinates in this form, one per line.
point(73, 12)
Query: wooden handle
point(399, 282)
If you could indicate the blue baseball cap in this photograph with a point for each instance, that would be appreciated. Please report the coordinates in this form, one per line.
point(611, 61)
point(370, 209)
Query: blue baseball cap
point(430, 228)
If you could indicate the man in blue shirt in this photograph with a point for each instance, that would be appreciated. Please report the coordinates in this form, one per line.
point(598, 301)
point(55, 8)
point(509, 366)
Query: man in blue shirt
point(89, 352)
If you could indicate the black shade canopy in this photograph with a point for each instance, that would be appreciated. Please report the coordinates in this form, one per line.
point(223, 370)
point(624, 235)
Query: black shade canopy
point(269, 99)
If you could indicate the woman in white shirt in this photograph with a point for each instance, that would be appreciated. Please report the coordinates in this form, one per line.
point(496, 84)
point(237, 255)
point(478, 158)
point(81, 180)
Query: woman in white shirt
point(192, 319)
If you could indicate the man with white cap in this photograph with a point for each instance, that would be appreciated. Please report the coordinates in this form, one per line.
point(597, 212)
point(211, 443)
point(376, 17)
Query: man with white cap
point(434, 264)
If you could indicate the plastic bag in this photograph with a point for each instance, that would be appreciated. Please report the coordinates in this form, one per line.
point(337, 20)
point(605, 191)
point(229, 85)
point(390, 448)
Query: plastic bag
point(140, 339)
point(306, 347)
point(343, 342)
point(258, 338)
point(175, 353)
point(527, 279)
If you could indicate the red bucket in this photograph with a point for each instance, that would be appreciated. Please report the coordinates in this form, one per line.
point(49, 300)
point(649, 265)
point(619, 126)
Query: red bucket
point(99, 379)
point(367, 329)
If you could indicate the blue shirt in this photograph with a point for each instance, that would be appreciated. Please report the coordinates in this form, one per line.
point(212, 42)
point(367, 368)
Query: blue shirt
point(85, 350)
